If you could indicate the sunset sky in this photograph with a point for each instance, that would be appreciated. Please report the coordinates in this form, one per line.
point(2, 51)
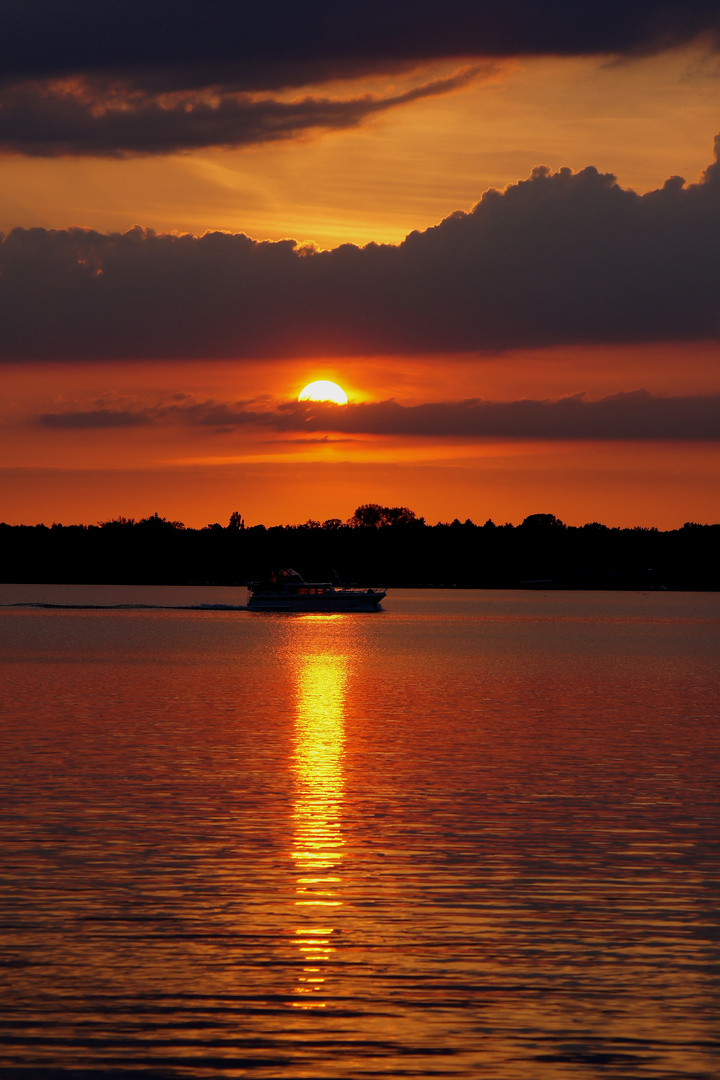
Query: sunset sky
point(496, 226)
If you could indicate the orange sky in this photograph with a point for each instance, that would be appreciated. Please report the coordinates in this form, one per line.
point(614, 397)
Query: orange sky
point(405, 169)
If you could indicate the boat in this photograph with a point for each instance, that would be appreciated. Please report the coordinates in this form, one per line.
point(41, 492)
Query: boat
point(286, 590)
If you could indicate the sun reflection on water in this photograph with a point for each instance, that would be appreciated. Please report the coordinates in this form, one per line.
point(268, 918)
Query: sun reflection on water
point(318, 839)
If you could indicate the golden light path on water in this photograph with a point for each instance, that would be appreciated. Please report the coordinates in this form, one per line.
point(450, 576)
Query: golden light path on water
point(318, 840)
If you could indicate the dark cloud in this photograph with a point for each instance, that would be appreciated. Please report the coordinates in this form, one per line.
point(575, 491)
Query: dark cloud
point(282, 42)
point(46, 121)
point(557, 259)
point(634, 415)
point(131, 53)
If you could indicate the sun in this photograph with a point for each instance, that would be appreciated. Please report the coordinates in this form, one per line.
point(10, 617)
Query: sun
point(323, 391)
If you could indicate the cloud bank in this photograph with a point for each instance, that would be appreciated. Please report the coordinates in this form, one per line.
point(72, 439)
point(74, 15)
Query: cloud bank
point(560, 258)
point(634, 415)
point(90, 78)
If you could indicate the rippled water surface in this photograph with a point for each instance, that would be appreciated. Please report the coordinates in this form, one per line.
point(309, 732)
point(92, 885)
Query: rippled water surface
point(475, 834)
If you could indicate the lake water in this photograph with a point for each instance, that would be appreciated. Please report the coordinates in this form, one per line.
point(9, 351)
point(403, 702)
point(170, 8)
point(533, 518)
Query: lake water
point(475, 834)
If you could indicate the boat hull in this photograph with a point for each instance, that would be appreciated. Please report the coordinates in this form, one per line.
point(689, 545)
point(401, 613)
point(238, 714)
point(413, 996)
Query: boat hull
point(337, 602)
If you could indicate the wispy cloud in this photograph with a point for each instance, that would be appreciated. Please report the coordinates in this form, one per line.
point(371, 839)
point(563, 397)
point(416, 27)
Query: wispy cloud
point(88, 118)
point(634, 415)
point(95, 418)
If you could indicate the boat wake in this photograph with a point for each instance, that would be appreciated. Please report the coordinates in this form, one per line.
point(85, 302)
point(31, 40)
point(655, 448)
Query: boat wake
point(127, 607)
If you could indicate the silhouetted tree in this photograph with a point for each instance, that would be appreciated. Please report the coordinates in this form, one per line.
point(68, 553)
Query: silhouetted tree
point(117, 523)
point(400, 515)
point(367, 516)
point(374, 516)
point(542, 521)
point(159, 523)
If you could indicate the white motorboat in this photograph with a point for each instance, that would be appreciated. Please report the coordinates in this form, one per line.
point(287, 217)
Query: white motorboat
point(286, 590)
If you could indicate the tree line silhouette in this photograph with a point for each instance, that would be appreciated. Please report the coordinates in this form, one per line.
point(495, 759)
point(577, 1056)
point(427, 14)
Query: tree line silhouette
point(377, 545)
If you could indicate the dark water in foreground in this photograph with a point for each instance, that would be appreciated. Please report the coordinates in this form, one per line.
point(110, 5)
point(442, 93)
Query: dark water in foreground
point(476, 835)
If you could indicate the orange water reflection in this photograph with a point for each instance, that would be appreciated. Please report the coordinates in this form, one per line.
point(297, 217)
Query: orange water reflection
point(317, 839)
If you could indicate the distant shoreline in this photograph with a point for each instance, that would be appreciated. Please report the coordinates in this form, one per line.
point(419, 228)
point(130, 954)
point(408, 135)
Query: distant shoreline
point(379, 545)
point(519, 587)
